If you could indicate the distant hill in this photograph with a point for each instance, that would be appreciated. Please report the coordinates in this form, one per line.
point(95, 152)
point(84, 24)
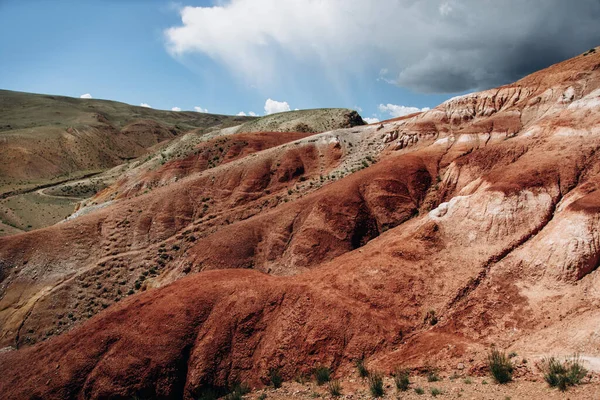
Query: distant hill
point(57, 151)
point(47, 140)
point(45, 137)
point(318, 120)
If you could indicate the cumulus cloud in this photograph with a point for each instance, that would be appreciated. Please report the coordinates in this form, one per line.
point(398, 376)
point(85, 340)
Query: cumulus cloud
point(252, 114)
point(428, 46)
point(86, 96)
point(396, 111)
point(200, 109)
point(241, 114)
point(175, 109)
point(145, 105)
point(273, 106)
point(371, 120)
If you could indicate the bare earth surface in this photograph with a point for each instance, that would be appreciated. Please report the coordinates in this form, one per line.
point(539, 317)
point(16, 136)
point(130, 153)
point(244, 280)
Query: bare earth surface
point(417, 243)
point(355, 388)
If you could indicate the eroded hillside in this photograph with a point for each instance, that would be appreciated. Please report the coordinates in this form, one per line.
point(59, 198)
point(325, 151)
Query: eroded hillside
point(261, 250)
point(55, 148)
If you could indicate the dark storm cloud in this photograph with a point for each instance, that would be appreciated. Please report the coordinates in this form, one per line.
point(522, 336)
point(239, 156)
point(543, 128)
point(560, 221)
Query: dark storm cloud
point(484, 45)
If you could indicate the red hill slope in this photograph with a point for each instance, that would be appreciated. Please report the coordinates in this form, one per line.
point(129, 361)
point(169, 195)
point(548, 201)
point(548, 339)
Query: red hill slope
point(483, 212)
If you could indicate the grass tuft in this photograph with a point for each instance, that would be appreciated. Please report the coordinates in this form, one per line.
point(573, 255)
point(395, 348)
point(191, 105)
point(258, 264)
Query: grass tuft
point(275, 377)
point(500, 366)
point(362, 369)
point(376, 384)
point(335, 388)
point(322, 375)
point(432, 376)
point(237, 391)
point(563, 374)
point(401, 378)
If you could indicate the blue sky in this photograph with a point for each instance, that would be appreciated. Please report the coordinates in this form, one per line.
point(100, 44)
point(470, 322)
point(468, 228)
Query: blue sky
point(234, 57)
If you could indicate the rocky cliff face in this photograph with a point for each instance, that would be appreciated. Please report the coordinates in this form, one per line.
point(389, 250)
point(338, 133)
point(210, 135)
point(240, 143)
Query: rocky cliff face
point(324, 249)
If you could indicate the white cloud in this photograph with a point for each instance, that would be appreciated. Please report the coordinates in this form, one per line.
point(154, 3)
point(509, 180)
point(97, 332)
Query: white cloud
point(145, 105)
point(273, 106)
point(442, 46)
point(357, 108)
point(399, 111)
point(445, 8)
point(383, 76)
point(371, 120)
point(175, 109)
point(85, 96)
point(200, 109)
point(250, 113)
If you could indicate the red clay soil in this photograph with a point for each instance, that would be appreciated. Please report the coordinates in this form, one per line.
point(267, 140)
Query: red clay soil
point(478, 225)
point(207, 155)
point(102, 265)
point(319, 227)
point(105, 253)
point(181, 343)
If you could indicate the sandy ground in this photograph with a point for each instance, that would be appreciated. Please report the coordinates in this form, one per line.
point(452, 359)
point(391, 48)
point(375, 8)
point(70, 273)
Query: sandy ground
point(458, 388)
